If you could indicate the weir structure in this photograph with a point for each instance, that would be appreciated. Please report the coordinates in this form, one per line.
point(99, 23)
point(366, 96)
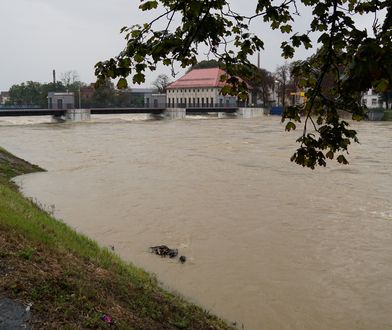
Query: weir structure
point(169, 113)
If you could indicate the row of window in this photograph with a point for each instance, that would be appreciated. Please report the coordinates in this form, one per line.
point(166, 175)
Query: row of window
point(374, 101)
point(195, 101)
point(190, 90)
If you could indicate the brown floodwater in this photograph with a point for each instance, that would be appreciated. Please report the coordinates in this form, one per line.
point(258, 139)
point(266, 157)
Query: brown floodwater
point(269, 244)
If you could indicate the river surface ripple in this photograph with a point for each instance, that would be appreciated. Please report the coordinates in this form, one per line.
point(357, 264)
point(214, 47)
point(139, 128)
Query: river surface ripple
point(269, 244)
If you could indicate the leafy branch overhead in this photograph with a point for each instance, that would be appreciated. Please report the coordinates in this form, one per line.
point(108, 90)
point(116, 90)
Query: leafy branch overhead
point(349, 59)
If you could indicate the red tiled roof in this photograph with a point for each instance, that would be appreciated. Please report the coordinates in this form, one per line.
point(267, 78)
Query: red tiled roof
point(209, 77)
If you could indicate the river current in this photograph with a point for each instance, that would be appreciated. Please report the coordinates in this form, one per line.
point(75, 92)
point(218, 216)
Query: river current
point(269, 244)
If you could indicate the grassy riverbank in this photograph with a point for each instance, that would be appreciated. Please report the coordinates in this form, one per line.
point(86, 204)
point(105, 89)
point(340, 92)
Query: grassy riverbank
point(69, 280)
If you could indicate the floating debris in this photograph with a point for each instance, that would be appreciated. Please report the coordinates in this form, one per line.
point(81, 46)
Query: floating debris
point(182, 259)
point(164, 251)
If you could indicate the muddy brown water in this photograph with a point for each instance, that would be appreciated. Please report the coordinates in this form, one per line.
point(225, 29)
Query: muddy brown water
point(269, 245)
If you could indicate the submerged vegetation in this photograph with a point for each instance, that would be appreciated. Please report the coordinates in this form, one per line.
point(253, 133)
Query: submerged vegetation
point(69, 281)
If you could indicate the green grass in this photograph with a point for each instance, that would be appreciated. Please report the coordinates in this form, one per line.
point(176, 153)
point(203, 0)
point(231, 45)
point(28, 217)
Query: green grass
point(71, 281)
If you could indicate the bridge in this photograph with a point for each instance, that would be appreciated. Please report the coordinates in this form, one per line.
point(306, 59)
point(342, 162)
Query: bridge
point(84, 114)
point(63, 112)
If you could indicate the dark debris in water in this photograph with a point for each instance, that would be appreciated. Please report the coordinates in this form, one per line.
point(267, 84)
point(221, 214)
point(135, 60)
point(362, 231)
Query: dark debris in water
point(164, 251)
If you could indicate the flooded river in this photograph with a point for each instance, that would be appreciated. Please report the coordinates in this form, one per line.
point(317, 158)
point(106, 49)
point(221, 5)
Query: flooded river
point(269, 245)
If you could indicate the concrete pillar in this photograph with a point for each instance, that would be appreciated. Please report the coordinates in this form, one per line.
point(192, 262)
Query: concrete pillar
point(78, 114)
point(175, 113)
point(227, 115)
point(247, 113)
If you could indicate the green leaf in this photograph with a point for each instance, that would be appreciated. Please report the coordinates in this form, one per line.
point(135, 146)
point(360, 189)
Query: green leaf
point(329, 154)
point(286, 28)
point(122, 83)
point(382, 85)
point(226, 90)
point(139, 78)
point(166, 61)
point(138, 58)
point(136, 33)
point(290, 126)
point(149, 5)
point(342, 160)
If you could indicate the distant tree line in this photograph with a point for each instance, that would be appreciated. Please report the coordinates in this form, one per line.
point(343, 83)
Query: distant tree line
point(267, 88)
point(34, 94)
point(31, 93)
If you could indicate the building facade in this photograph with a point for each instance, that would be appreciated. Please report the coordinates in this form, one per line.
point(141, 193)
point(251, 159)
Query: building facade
point(87, 93)
point(372, 100)
point(199, 88)
point(154, 100)
point(4, 97)
point(60, 101)
point(140, 97)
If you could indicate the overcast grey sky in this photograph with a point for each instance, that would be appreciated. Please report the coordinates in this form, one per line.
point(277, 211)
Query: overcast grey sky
point(41, 35)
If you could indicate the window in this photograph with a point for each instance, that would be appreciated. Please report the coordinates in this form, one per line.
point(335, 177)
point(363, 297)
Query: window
point(364, 101)
point(374, 101)
point(212, 101)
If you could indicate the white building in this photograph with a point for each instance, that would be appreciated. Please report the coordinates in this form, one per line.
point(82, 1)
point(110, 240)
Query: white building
point(372, 100)
point(62, 100)
point(155, 101)
point(199, 88)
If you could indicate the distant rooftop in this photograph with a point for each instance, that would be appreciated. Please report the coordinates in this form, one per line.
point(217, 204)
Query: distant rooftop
point(209, 77)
